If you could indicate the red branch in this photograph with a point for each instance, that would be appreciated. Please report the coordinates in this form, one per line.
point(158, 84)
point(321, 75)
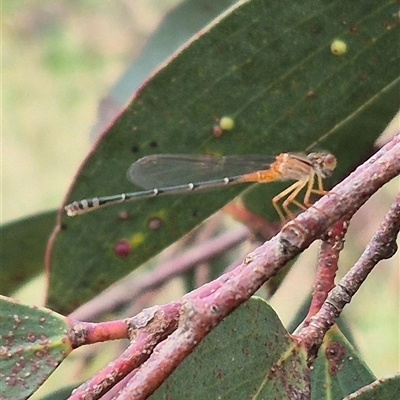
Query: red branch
point(382, 246)
point(331, 246)
point(204, 308)
point(148, 328)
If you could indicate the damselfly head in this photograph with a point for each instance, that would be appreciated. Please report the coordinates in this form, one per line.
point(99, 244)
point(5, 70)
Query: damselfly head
point(324, 163)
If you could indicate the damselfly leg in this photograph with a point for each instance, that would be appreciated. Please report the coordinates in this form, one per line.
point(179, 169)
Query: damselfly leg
point(305, 170)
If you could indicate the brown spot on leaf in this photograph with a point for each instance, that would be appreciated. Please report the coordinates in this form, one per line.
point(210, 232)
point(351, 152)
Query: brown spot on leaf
point(334, 354)
point(154, 223)
point(217, 131)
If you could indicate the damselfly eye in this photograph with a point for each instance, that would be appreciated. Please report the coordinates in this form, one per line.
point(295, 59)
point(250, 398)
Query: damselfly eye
point(328, 164)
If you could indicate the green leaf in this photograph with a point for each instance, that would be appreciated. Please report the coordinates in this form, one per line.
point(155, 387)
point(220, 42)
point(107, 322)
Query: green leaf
point(33, 342)
point(339, 369)
point(385, 388)
point(61, 394)
point(248, 355)
point(176, 28)
point(22, 249)
point(269, 66)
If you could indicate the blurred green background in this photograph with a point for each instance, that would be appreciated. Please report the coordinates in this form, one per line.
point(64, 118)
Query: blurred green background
point(59, 60)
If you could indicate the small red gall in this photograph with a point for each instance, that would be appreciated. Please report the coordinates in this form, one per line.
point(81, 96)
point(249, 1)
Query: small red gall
point(122, 248)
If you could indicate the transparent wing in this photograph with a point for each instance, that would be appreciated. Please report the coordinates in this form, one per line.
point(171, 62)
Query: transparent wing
point(162, 170)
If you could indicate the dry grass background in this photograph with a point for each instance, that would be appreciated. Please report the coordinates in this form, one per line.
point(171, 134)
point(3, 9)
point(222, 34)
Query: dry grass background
point(59, 59)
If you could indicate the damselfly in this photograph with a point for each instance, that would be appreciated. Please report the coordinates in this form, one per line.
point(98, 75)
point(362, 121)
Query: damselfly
point(163, 174)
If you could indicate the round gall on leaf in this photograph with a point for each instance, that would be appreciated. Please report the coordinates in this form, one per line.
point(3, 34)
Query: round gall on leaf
point(338, 47)
point(226, 123)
